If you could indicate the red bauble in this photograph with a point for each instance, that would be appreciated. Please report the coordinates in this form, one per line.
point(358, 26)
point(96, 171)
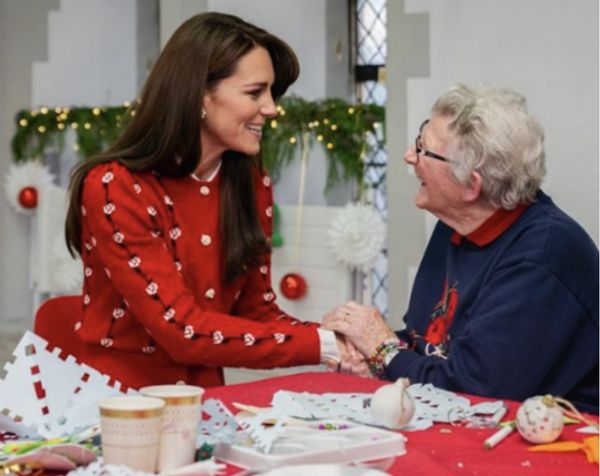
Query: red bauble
point(293, 286)
point(28, 197)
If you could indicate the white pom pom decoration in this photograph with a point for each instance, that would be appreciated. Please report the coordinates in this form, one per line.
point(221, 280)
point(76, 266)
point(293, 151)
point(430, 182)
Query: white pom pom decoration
point(67, 275)
point(392, 406)
point(540, 419)
point(31, 173)
point(357, 236)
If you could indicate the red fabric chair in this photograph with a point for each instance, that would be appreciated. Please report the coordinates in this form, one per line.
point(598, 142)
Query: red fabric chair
point(55, 320)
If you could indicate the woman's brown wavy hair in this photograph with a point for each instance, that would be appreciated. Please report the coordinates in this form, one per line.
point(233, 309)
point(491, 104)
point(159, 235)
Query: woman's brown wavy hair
point(202, 51)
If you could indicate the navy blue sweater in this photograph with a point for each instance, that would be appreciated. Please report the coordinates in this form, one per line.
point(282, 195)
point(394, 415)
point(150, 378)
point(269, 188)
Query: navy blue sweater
point(509, 311)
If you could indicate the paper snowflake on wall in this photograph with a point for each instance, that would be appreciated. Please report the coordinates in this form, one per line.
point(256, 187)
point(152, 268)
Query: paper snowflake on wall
point(357, 235)
point(22, 183)
point(67, 273)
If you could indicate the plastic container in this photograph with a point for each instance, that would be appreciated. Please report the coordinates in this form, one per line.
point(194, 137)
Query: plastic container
point(303, 444)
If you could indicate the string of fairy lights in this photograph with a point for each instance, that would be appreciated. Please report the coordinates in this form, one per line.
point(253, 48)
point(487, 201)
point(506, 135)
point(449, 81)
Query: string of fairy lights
point(344, 130)
point(95, 128)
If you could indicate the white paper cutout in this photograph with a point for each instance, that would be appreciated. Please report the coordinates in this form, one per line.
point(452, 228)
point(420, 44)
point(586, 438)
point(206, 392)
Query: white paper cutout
point(51, 396)
point(81, 409)
point(588, 429)
point(443, 406)
point(344, 406)
point(264, 436)
point(431, 405)
point(302, 405)
point(218, 424)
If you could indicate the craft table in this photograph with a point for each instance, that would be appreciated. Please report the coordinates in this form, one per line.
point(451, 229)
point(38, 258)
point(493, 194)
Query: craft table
point(442, 449)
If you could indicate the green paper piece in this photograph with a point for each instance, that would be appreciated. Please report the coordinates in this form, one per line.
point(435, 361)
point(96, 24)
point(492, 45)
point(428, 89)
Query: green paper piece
point(204, 452)
point(276, 239)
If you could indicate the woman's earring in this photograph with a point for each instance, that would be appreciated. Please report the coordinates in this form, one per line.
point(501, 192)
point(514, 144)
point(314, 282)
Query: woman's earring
point(203, 114)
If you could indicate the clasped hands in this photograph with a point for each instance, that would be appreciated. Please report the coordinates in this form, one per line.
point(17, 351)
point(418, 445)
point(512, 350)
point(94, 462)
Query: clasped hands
point(359, 330)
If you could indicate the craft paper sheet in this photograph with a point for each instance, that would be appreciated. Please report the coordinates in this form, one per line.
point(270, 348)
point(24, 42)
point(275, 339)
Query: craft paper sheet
point(47, 396)
point(431, 405)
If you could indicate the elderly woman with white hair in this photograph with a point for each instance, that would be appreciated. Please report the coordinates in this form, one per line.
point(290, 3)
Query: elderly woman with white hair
point(505, 302)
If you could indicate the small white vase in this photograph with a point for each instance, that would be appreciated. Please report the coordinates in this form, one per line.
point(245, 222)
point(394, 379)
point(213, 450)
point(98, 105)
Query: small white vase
point(392, 406)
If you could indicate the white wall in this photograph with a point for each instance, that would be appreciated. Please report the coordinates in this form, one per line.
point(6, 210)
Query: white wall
point(545, 49)
point(281, 18)
point(22, 40)
point(72, 52)
point(91, 55)
point(92, 60)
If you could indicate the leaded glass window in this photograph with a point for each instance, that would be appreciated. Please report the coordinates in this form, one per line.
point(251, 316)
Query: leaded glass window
point(369, 28)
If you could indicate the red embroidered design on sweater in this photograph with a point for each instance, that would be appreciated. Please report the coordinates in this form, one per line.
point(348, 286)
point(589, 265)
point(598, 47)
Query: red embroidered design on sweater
point(442, 316)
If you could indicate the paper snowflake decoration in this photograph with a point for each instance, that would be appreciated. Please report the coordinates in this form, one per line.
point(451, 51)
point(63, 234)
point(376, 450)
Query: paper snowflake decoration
point(67, 272)
point(31, 173)
point(357, 236)
point(48, 396)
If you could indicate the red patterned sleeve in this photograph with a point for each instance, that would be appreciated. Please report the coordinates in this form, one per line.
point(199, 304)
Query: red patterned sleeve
point(124, 221)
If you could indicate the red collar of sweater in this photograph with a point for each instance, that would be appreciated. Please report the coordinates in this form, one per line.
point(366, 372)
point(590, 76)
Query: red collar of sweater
point(492, 228)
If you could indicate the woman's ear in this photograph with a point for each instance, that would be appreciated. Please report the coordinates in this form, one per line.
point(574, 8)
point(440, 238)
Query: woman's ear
point(472, 192)
point(205, 105)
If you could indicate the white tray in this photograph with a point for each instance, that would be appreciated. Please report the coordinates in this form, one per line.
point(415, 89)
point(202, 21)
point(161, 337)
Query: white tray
point(309, 444)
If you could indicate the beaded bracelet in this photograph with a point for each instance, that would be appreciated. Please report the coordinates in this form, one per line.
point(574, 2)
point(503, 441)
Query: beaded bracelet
point(377, 360)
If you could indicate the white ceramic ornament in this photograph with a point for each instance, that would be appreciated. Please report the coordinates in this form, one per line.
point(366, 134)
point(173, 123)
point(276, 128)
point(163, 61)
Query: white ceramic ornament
point(392, 406)
point(540, 419)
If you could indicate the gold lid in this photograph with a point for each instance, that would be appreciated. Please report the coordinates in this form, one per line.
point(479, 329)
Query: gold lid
point(175, 394)
point(132, 407)
point(131, 414)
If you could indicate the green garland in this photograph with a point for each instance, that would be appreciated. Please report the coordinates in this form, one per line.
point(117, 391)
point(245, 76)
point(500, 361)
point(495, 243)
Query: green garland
point(344, 130)
point(96, 128)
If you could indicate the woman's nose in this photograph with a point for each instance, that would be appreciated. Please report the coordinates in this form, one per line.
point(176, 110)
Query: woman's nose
point(268, 109)
point(410, 156)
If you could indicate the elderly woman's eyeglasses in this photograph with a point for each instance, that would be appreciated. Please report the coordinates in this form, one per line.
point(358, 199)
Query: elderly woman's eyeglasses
point(420, 150)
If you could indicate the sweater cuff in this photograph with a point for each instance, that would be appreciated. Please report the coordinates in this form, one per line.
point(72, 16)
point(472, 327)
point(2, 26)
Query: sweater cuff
point(328, 344)
point(400, 364)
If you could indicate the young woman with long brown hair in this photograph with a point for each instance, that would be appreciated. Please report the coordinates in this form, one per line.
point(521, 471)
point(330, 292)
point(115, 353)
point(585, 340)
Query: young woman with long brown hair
point(172, 222)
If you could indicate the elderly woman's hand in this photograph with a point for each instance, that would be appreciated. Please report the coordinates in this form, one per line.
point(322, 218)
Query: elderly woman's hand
point(362, 325)
point(351, 362)
point(354, 362)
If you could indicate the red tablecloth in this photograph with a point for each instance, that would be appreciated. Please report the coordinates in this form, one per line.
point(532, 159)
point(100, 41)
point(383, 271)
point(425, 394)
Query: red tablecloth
point(455, 450)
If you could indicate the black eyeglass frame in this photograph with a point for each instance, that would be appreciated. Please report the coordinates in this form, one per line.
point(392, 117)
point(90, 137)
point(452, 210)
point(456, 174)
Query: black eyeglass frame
point(428, 153)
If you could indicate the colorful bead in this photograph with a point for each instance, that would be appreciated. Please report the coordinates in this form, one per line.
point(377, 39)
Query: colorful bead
point(333, 426)
point(377, 361)
point(7, 436)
